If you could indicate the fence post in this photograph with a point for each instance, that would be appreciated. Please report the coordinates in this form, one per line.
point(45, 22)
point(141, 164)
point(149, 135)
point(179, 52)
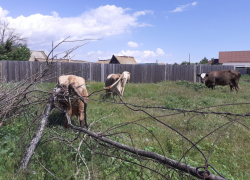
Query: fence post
point(102, 72)
point(1, 72)
point(5, 71)
point(194, 73)
point(90, 70)
point(165, 77)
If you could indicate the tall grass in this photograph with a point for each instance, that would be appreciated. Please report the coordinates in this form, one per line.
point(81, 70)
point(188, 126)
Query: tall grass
point(230, 155)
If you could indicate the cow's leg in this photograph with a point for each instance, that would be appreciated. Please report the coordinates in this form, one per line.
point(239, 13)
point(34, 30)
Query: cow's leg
point(108, 93)
point(82, 117)
point(66, 124)
point(231, 88)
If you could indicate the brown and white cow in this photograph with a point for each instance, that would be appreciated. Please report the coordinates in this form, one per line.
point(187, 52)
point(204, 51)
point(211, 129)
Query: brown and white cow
point(116, 83)
point(73, 106)
point(224, 77)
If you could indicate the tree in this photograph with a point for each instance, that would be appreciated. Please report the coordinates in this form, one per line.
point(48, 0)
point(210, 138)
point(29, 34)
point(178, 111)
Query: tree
point(12, 44)
point(204, 61)
point(185, 63)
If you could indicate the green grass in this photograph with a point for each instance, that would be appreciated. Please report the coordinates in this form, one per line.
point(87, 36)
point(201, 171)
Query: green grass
point(230, 155)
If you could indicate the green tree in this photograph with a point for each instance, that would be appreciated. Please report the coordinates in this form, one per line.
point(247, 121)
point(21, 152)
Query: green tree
point(185, 63)
point(18, 52)
point(204, 61)
point(12, 44)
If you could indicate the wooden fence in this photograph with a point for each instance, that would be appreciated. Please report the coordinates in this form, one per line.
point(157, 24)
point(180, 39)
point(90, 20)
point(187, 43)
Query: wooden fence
point(17, 70)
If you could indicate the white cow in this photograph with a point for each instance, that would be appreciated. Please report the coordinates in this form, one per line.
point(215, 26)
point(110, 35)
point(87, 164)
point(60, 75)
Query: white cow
point(116, 83)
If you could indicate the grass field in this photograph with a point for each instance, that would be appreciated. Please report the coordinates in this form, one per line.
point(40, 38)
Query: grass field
point(230, 155)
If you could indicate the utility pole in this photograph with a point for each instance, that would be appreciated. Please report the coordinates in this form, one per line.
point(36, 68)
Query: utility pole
point(189, 58)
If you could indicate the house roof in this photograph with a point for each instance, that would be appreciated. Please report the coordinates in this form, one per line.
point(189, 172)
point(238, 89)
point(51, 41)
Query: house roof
point(62, 60)
point(234, 56)
point(125, 59)
point(37, 54)
point(41, 56)
point(104, 61)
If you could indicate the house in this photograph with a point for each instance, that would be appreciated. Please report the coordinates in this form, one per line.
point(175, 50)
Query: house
point(236, 58)
point(41, 56)
point(122, 60)
point(239, 59)
point(103, 61)
point(37, 55)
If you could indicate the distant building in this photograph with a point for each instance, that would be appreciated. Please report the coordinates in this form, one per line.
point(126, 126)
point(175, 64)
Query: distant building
point(103, 61)
point(41, 56)
point(236, 58)
point(122, 60)
point(214, 62)
point(37, 55)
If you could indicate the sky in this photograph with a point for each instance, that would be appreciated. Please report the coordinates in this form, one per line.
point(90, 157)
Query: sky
point(163, 30)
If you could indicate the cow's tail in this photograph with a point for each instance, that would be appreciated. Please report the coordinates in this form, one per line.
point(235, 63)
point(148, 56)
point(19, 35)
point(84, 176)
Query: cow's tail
point(109, 87)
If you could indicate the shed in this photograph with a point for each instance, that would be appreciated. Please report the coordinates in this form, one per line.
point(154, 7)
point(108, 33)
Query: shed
point(122, 60)
point(37, 55)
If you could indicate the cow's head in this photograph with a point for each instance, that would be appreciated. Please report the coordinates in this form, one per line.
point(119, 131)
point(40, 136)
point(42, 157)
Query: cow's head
point(126, 75)
point(203, 77)
point(60, 87)
point(60, 91)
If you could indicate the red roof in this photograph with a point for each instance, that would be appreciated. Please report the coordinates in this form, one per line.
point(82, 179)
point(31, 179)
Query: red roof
point(234, 57)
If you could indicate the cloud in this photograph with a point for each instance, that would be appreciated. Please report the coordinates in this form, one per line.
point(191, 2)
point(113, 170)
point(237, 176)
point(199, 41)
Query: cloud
point(3, 13)
point(132, 44)
point(145, 56)
point(194, 3)
point(159, 51)
point(140, 13)
point(184, 7)
point(96, 23)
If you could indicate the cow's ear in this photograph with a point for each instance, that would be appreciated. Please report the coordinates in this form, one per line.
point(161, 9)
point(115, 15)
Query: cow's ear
point(207, 75)
point(199, 75)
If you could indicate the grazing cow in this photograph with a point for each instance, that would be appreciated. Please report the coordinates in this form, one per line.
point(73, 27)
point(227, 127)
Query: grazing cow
point(225, 77)
point(73, 106)
point(116, 83)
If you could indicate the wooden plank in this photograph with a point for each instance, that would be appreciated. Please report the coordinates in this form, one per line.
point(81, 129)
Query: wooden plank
point(11, 71)
point(86, 69)
point(4, 71)
point(17, 76)
point(1, 71)
point(102, 72)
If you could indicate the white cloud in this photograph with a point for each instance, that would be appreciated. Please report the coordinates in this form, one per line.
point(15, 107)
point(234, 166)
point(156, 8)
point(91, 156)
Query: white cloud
point(140, 13)
point(132, 44)
point(183, 7)
point(3, 13)
point(194, 3)
point(93, 24)
point(159, 51)
point(145, 56)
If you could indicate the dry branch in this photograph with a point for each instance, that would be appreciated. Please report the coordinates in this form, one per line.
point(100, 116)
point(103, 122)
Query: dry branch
point(37, 136)
point(164, 160)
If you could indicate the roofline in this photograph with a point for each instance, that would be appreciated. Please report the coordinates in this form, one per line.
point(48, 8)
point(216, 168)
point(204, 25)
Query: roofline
point(125, 56)
point(234, 51)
